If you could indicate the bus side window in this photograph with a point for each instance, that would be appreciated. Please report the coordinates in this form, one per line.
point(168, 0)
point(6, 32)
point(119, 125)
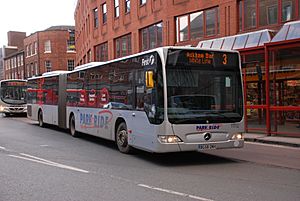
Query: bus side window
point(140, 89)
point(140, 93)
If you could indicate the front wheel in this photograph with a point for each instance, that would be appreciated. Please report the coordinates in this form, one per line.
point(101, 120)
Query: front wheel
point(122, 139)
point(73, 131)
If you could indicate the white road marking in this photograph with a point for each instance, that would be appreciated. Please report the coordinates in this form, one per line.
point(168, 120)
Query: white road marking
point(44, 145)
point(3, 148)
point(175, 192)
point(47, 162)
point(272, 145)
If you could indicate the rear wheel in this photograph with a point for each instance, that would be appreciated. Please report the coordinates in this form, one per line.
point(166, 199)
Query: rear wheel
point(73, 131)
point(122, 139)
point(40, 119)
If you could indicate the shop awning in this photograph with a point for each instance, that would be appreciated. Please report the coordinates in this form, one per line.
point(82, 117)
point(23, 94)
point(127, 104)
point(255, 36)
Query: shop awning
point(241, 41)
point(289, 31)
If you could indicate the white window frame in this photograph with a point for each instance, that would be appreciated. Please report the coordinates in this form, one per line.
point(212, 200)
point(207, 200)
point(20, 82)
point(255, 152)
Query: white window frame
point(47, 46)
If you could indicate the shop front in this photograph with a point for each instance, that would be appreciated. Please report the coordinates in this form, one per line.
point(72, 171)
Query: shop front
point(271, 75)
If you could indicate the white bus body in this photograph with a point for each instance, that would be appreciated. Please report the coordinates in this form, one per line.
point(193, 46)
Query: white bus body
point(112, 101)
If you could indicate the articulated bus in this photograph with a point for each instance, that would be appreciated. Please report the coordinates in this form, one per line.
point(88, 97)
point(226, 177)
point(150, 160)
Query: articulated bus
point(13, 97)
point(169, 99)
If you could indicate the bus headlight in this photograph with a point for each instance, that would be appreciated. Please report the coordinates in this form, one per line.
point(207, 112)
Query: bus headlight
point(169, 139)
point(237, 136)
point(1, 108)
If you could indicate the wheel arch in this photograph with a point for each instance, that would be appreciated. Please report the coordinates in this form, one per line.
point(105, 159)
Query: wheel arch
point(119, 120)
point(69, 118)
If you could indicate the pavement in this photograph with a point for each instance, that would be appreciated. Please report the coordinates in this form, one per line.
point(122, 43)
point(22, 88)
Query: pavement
point(278, 140)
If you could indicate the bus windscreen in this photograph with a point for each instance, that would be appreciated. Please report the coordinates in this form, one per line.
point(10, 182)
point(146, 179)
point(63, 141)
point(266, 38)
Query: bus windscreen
point(203, 87)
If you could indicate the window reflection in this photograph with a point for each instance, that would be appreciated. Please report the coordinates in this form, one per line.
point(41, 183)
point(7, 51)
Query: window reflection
point(151, 36)
point(228, 43)
point(210, 22)
point(288, 10)
point(268, 12)
point(253, 40)
point(294, 31)
point(240, 42)
point(250, 13)
point(191, 27)
point(196, 22)
point(183, 33)
point(217, 44)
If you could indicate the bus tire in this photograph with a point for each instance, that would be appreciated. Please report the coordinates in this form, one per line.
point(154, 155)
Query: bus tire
point(7, 114)
point(72, 127)
point(40, 119)
point(122, 139)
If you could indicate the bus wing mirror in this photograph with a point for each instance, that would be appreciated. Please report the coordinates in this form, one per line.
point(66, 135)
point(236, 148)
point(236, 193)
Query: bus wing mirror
point(149, 78)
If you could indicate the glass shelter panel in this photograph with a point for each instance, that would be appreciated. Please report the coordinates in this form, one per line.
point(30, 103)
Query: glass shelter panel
point(285, 90)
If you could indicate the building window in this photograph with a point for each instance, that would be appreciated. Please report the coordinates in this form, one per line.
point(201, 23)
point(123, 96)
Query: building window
point(151, 37)
point(196, 23)
point(127, 6)
point(288, 10)
point(117, 8)
point(36, 68)
point(28, 70)
point(96, 22)
point(32, 69)
point(18, 61)
point(104, 13)
point(31, 49)
point(27, 51)
point(71, 41)
point(210, 21)
point(183, 28)
point(268, 12)
point(35, 48)
point(191, 26)
point(101, 52)
point(71, 65)
point(142, 2)
point(48, 66)
point(240, 16)
point(47, 46)
point(260, 13)
point(123, 46)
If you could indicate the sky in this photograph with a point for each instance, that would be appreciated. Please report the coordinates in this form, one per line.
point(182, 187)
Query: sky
point(31, 16)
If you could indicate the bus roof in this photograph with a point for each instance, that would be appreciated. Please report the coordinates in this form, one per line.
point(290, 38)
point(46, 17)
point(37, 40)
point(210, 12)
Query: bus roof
point(88, 65)
point(49, 74)
point(13, 80)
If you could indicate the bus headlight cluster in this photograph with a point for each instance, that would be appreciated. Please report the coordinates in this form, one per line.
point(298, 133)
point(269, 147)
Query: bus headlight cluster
point(169, 139)
point(237, 136)
point(1, 108)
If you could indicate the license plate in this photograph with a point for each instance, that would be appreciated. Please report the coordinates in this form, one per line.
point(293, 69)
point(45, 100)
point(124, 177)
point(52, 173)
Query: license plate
point(206, 146)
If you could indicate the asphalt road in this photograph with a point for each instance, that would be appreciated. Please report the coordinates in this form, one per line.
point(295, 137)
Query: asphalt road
point(48, 164)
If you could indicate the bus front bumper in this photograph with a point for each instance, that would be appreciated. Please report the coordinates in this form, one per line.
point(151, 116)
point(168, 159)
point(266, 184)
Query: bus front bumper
point(201, 146)
point(13, 110)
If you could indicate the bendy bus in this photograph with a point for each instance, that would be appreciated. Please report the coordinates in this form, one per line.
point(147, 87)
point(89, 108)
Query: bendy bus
point(169, 99)
point(13, 97)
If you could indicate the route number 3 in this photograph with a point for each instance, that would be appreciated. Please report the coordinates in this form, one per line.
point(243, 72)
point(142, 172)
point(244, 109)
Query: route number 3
point(225, 59)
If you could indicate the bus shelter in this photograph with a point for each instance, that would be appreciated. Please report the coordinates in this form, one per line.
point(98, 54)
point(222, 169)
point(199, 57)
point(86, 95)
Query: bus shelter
point(282, 57)
point(270, 76)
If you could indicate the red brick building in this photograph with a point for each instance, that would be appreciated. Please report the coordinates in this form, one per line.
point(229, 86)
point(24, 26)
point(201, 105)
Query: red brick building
point(49, 50)
point(14, 67)
point(13, 61)
point(108, 29)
